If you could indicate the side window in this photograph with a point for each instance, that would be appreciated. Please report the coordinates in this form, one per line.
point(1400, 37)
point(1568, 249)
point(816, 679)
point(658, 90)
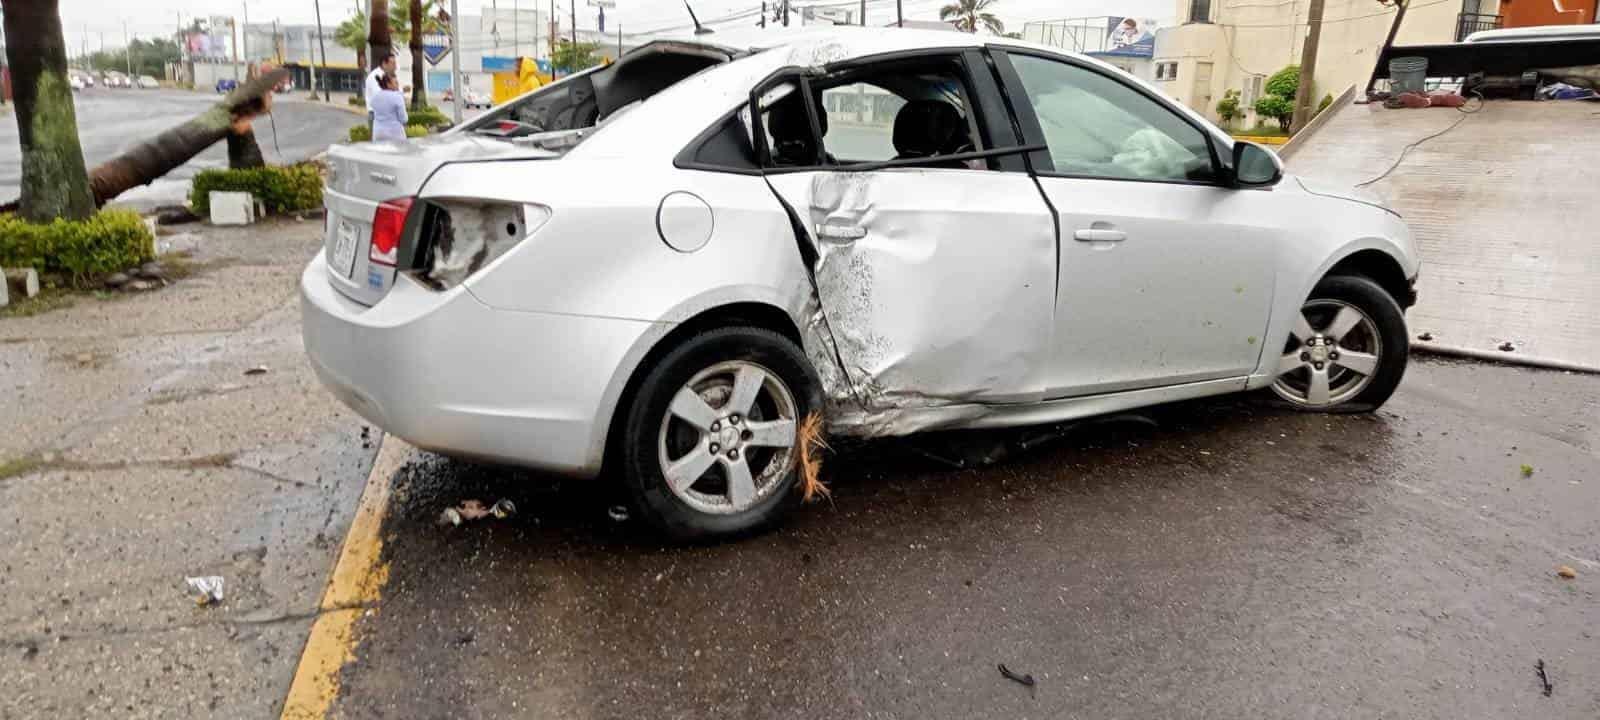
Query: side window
point(1095, 126)
point(861, 122)
point(913, 110)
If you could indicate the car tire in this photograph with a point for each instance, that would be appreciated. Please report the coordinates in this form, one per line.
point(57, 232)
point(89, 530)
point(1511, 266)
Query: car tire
point(687, 408)
point(1348, 350)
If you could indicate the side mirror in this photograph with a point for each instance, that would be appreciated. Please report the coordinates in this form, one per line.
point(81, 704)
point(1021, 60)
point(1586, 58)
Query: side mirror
point(1255, 166)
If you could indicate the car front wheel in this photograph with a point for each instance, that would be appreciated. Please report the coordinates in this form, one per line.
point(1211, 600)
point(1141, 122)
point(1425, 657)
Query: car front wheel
point(1347, 349)
point(711, 442)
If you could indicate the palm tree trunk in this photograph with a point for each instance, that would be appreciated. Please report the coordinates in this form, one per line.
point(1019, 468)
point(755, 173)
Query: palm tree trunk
point(419, 85)
point(161, 154)
point(54, 183)
point(379, 45)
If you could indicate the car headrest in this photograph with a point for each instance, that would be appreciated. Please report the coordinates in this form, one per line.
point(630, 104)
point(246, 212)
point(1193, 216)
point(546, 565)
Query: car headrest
point(792, 142)
point(928, 127)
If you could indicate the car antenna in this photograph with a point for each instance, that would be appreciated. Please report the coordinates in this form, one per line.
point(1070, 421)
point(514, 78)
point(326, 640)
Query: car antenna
point(698, 28)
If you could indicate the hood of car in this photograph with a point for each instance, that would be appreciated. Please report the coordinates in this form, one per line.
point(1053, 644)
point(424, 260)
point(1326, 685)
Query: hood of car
point(1343, 192)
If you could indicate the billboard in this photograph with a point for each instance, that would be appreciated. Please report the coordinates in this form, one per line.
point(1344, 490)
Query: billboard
point(1130, 37)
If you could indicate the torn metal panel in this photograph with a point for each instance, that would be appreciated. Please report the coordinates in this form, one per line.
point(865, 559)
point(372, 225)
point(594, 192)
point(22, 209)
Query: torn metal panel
point(469, 235)
point(933, 291)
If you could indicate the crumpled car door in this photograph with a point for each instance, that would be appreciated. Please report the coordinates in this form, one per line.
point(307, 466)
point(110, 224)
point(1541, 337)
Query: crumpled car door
point(935, 291)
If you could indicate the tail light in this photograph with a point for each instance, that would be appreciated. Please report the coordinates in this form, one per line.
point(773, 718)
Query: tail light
point(462, 237)
point(387, 227)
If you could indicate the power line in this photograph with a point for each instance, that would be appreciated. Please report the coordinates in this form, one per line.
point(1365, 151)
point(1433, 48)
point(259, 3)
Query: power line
point(1330, 22)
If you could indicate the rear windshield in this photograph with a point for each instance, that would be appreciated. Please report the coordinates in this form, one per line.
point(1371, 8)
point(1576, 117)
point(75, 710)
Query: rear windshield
point(557, 116)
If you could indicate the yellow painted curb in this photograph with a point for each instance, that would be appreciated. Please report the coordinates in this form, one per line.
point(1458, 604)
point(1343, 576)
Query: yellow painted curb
point(354, 589)
point(1263, 139)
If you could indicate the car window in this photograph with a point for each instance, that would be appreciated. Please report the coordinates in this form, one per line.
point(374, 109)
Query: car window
point(1096, 126)
point(861, 122)
point(912, 110)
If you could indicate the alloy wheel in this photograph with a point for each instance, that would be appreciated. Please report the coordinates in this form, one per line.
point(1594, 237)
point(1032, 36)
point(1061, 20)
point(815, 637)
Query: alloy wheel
point(1332, 355)
point(728, 437)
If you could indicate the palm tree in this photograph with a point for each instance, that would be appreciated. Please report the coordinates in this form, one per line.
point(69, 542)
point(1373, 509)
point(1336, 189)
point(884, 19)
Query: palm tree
point(400, 15)
point(352, 34)
point(968, 15)
point(379, 43)
point(54, 181)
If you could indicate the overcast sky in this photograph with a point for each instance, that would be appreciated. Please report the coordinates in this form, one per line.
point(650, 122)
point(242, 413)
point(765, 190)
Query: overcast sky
point(87, 20)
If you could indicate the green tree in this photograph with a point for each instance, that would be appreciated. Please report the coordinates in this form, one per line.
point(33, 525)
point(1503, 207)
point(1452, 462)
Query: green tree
point(54, 182)
point(969, 15)
point(1278, 108)
point(1278, 103)
point(571, 57)
point(1284, 83)
point(149, 57)
point(1228, 107)
point(352, 34)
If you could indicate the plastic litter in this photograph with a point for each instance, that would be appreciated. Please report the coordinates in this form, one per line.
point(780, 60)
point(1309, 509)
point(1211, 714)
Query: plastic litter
point(207, 589)
point(618, 513)
point(474, 510)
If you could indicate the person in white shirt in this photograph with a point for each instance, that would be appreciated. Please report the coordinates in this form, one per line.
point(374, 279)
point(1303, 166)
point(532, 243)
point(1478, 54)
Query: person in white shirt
point(386, 66)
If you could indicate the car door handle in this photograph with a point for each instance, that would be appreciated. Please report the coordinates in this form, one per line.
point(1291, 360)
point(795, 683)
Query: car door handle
point(841, 232)
point(1099, 235)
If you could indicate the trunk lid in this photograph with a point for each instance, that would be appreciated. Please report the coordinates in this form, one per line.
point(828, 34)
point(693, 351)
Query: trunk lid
point(363, 175)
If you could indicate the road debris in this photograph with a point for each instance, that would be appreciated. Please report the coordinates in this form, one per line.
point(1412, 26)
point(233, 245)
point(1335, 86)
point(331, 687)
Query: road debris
point(474, 510)
point(1544, 679)
point(257, 370)
point(813, 442)
point(1567, 572)
point(618, 513)
point(1006, 673)
point(1527, 470)
point(207, 589)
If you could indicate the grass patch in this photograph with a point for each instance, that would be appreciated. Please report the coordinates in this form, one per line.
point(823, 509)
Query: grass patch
point(48, 299)
point(19, 466)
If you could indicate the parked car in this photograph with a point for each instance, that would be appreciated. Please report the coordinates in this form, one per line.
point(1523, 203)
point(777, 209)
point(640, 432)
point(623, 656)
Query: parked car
point(148, 83)
point(626, 271)
point(117, 80)
point(77, 82)
point(227, 85)
point(474, 98)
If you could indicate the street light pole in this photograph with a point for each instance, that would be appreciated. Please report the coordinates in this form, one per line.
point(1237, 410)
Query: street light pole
point(899, 15)
point(127, 49)
point(327, 96)
point(456, 98)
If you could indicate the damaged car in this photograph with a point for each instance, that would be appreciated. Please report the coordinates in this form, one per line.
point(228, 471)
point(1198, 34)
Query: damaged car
point(665, 267)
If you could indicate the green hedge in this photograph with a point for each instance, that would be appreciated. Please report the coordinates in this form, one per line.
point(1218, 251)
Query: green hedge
point(429, 116)
point(108, 242)
point(280, 189)
point(362, 133)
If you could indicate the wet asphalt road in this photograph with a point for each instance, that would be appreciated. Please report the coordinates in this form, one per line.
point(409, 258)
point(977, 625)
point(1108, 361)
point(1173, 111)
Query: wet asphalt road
point(112, 120)
point(1233, 561)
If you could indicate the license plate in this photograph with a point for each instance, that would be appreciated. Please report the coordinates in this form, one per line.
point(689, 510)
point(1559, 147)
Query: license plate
point(344, 249)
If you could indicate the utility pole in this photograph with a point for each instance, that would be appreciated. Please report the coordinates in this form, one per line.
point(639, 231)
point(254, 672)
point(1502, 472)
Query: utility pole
point(785, 13)
point(899, 15)
point(619, 40)
point(763, 22)
point(1304, 96)
point(244, 38)
point(127, 49)
point(455, 62)
point(572, 5)
point(516, 30)
point(555, 29)
point(322, 45)
point(863, 13)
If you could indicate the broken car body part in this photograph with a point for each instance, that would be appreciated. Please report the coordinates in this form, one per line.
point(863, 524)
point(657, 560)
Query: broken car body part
point(971, 249)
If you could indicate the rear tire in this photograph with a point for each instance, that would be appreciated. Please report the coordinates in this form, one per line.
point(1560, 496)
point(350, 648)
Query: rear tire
point(710, 441)
point(1347, 351)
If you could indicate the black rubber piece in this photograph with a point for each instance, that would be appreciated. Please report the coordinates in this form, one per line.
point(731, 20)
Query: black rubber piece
point(1385, 312)
point(643, 479)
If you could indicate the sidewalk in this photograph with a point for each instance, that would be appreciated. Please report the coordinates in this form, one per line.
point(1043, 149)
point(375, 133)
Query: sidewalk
point(138, 451)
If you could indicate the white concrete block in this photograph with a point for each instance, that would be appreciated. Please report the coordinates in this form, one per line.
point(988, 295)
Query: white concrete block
point(22, 282)
point(232, 208)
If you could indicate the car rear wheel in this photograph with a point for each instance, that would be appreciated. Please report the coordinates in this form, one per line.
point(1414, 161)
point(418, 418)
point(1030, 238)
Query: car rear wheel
point(1347, 349)
point(711, 442)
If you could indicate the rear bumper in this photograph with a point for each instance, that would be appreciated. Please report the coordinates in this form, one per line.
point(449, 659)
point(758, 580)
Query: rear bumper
point(447, 373)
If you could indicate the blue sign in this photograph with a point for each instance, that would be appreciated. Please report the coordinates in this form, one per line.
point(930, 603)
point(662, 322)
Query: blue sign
point(435, 46)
